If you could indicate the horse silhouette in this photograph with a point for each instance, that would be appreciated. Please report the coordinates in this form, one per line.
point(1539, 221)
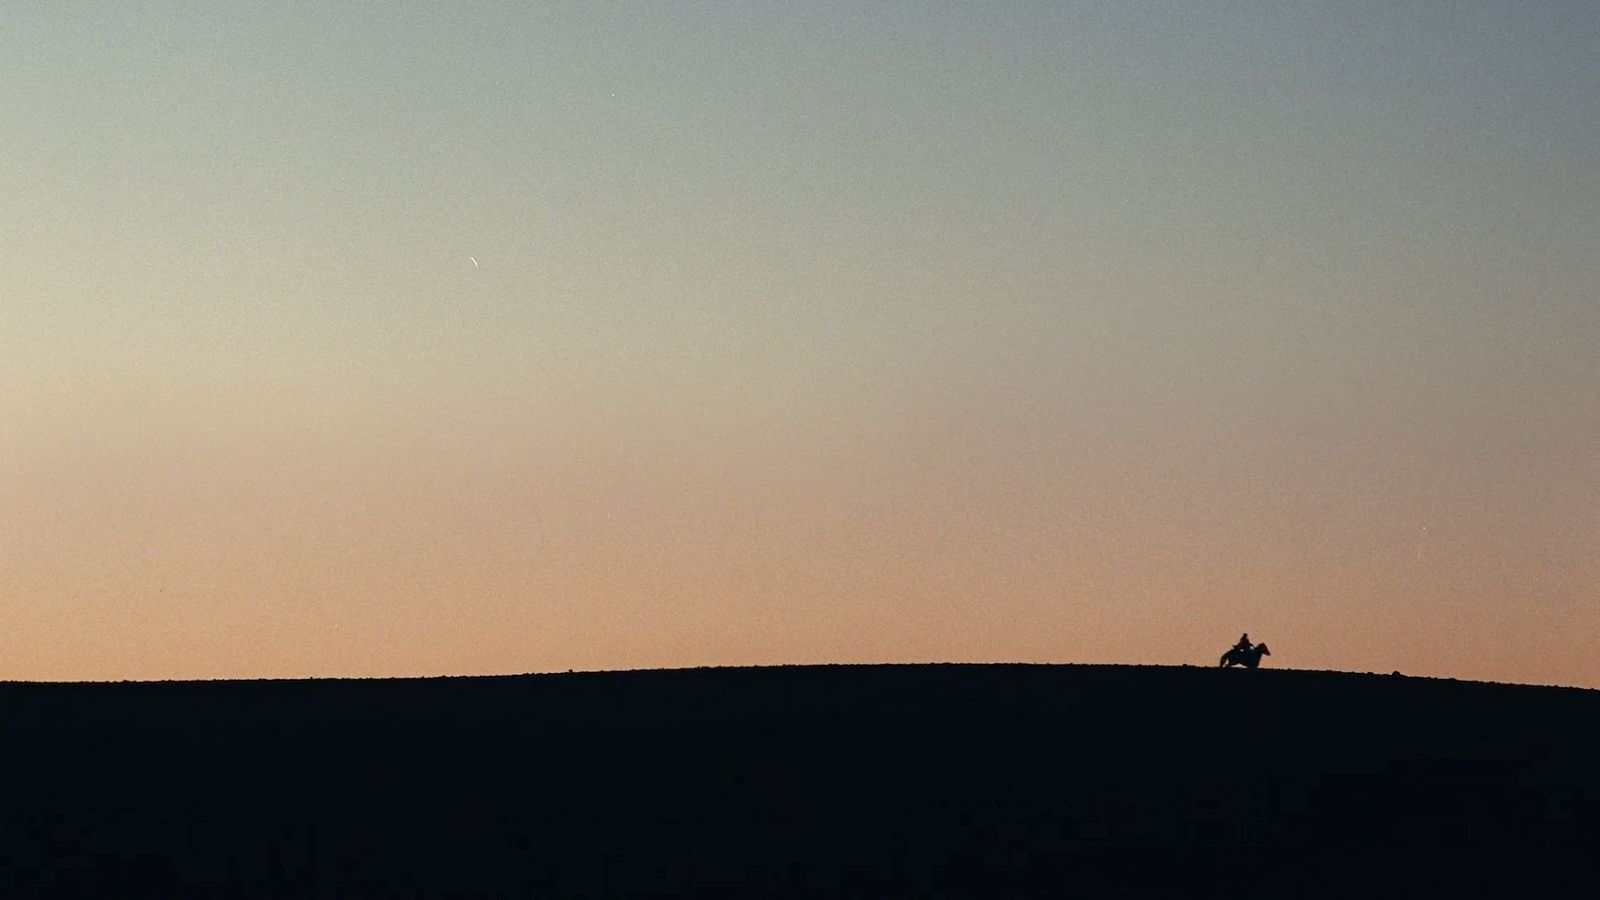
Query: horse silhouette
point(1250, 659)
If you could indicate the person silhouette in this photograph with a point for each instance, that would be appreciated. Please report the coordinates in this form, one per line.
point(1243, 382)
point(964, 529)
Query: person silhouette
point(1244, 643)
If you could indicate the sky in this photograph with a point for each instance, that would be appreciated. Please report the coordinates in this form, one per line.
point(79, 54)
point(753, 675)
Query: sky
point(353, 340)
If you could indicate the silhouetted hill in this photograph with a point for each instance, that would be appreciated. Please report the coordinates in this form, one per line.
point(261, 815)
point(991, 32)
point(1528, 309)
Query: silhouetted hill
point(855, 780)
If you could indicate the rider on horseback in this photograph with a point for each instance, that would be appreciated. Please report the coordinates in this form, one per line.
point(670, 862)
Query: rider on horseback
point(1244, 654)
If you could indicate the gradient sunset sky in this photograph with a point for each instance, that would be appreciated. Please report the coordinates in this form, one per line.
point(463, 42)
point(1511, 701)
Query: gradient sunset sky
point(360, 340)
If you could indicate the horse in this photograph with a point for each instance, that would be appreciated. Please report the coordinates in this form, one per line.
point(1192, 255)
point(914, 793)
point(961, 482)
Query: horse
point(1248, 658)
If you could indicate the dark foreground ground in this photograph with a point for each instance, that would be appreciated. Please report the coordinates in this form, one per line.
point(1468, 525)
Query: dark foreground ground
point(864, 781)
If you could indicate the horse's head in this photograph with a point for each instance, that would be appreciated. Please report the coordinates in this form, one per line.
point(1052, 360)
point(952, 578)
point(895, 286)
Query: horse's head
point(1263, 649)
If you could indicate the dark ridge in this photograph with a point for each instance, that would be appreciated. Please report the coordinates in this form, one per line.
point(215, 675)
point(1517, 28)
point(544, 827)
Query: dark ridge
point(963, 780)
